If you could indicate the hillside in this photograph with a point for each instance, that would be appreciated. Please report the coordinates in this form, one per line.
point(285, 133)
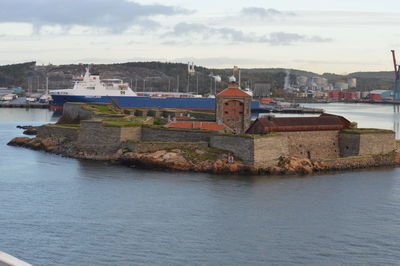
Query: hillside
point(167, 76)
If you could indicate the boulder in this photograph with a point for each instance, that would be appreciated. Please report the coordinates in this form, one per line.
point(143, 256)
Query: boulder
point(19, 141)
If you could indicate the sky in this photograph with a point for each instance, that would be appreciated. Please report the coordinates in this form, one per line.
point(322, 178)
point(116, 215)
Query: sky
point(320, 36)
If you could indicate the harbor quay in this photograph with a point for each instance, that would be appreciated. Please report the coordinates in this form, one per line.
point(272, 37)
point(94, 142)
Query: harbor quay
point(228, 142)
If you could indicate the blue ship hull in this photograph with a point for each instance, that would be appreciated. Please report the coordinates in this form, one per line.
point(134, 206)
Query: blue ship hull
point(145, 102)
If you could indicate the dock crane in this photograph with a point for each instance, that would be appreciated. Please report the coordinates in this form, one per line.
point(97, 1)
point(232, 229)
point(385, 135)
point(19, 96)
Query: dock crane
point(396, 94)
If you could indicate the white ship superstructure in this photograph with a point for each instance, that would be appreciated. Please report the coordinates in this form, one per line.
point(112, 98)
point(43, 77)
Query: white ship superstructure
point(92, 85)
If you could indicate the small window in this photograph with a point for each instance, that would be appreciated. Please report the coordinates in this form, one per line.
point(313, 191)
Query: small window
point(226, 112)
point(226, 103)
point(241, 104)
point(241, 113)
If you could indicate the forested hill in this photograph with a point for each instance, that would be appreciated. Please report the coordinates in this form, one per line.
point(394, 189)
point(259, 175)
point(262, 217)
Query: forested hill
point(167, 76)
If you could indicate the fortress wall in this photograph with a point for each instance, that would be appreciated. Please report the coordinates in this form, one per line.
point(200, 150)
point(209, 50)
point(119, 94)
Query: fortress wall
point(313, 144)
point(241, 147)
point(154, 146)
point(95, 137)
point(366, 144)
point(349, 144)
point(50, 130)
point(381, 143)
point(174, 135)
point(131, 133)
point(74, 111)
point(267, 150)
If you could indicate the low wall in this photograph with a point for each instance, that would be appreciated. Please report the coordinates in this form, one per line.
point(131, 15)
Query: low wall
point(157, 146)
point(53, 130)
point(367, 161)
point(241, 147)
point(366, 144)
point(174, 135)
point(313, 144)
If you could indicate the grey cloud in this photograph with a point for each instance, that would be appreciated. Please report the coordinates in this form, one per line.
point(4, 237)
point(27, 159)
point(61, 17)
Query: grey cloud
point(238, 36)
point(263, 12)
point(115, 15)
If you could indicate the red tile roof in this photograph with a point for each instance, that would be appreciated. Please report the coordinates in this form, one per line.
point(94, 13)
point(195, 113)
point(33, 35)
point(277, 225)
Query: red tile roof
point(286, 124)
point(233, 92)
point(197, 125)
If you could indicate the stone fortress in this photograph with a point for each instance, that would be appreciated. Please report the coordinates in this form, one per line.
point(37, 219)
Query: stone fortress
point(262, 143)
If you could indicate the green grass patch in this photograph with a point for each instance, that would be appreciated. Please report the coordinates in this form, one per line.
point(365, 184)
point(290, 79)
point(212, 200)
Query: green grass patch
point(72, 126)
point(366, 131)
point(101, 108)
point(137, 121)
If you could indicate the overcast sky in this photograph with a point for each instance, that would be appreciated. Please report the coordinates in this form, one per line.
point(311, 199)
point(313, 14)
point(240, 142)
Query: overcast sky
point(321, 36)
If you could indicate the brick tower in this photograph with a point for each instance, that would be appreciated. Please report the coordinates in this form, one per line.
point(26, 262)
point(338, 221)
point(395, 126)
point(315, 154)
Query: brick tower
point(233, 107)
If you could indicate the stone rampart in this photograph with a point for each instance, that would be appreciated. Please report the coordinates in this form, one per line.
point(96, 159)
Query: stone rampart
point(359, 162)
point(241, 147)
point(94, 137)
point(56, 130)
point(267, 150)
point(313, 144)
point(76, 112)
point(356, 144)
point(157, 146)
point(174, 135)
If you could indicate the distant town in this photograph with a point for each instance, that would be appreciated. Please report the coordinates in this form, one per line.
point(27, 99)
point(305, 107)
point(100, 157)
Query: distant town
point(30, 81)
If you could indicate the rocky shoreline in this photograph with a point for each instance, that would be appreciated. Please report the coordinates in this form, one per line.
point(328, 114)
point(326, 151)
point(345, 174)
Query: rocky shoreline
point(204, 160)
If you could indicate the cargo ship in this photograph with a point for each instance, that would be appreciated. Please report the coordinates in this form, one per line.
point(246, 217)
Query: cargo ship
point(90, 88)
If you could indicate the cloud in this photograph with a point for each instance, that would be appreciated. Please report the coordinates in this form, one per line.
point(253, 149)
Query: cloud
point(263, 12)
point(237, 36)
point(115, 15)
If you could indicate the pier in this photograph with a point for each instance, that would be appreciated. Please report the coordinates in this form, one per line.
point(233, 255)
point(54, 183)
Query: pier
point(22, 103)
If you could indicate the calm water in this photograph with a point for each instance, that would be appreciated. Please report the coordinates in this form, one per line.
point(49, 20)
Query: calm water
point(60, 211)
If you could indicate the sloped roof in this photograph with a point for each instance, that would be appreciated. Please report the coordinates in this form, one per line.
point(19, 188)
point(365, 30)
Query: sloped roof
point(233, 92)
point(286, 124)
point(197, 125)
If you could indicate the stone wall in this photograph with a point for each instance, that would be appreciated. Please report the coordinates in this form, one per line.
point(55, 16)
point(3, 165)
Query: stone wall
point(75, 112)
point(174, 135)
point(241, 147)
point(53, 130)
point(131, 133)
point(95, 137)
point(313, 144)
point(157, 146)
point(366, 144)
point(349, 144)
point(267, 150)
point(367, 161)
